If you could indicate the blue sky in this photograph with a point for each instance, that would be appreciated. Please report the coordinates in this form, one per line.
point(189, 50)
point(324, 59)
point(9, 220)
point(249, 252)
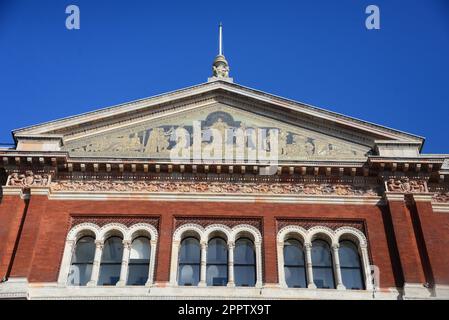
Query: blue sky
point(318, 52)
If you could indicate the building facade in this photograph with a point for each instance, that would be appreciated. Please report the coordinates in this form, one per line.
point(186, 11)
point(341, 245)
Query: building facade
point(219, 191)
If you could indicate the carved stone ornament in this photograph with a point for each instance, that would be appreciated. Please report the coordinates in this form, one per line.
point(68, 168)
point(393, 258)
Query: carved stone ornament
point(405, 185)
point(217, 187)
point(442, 197)
point(28, 179)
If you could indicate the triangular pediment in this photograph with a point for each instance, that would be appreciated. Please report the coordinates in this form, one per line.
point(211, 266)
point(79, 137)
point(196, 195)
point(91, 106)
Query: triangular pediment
point(144, 128)
point(156, 137)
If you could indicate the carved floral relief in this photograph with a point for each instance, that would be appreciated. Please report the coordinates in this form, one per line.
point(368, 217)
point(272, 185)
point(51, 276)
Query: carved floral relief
point(28, 179)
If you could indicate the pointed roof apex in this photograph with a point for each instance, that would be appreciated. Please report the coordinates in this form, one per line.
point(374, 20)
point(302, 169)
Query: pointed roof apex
point(220, 67)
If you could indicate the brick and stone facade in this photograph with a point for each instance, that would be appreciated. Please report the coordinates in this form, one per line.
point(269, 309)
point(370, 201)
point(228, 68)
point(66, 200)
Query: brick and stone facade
point(108, 171)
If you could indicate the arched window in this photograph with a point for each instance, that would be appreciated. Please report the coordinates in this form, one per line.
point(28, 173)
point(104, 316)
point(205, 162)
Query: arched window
point(294, 265)
point(351, 271)
point(139, 262)
point(323, 273)
point(111, 262)
point(244, 263)
point(82, 262)
point(189, 262)
point(217, 262)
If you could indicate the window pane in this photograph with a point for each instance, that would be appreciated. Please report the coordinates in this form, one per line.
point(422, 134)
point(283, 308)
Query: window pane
point(245, 276)
point(217, 275)
point(189, 275)
point(85, 250)
point(349, 256)
point(111, 262)
point(190, 251)
point(293, 253)
point(352, 279)
point(113, 250)
point(295, 277)
point(138, 274)
point(217, 251)
point(351, 270)
point(140, 249)
point(79, 275)
point(244, 252)
point(109, 274)
point(323, 275)
point(321, 255)
point(323, 278)
point(81, 269)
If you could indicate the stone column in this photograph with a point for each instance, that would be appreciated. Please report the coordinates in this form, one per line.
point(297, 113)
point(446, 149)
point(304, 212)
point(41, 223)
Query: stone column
point(281, 272)
point(150, 280)
point(259, 281)
point(337, 269)
point(66, 262)
point(366, 268)
point(309, 269)
point(203, 264)
point(231, 246)
point(174, 262)
point(99, 244)
point(125, 263)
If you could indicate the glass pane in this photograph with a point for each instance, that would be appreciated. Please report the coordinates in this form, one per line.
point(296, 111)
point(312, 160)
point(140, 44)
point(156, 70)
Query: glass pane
point(217, 275)
point(349, 256)
point(321, 254)
point(84, 251)
point(244, 252)
point(140, 249)
point(113, 250)
point(293, 253)
point(109, 274)
point(352, 279)
point(295, 277)
point(190, 251)
point(217, 251)
point(189, 275)
point(79, 274)
point(245, 276)
point(323, 278)
point(137, 274)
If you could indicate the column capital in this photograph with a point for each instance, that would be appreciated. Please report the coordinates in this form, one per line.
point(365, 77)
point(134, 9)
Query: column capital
point(231, 244)
point(99, 244)
point(335, 246)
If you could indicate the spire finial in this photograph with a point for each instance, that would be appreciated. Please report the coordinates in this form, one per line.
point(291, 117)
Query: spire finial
point(220, 67)
point(220, 41)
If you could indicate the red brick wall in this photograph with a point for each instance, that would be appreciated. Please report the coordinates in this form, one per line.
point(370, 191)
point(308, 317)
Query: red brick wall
point(41, 246)
point(435, 232)
point(12, 210)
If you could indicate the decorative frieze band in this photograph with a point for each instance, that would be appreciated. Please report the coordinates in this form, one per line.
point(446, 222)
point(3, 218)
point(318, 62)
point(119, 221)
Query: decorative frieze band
point(218, 187)
point(332, 224)
point(229, 222)
point(406, 185)
point(124, 220)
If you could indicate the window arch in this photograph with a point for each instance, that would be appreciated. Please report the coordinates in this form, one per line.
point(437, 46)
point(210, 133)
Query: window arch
point(82, 262)
point(189, 262)
point(350, 266)
point(294, 264)
point(111, 261)
point(217, 262)
point(322, 264)
point(139, 261)
point(244, 263)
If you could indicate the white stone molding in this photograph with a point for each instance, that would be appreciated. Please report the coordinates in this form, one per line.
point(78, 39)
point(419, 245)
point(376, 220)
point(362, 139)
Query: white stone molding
point(101, 235)
point(333, 238)
point(112, 229)
point(231, 281)
point(125, 263)
point(73, 236)
point(336, 266)
point(99, 245)
point(204, 235)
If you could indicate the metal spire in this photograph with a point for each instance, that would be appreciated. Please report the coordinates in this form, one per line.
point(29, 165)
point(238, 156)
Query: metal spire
point(220, 67)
